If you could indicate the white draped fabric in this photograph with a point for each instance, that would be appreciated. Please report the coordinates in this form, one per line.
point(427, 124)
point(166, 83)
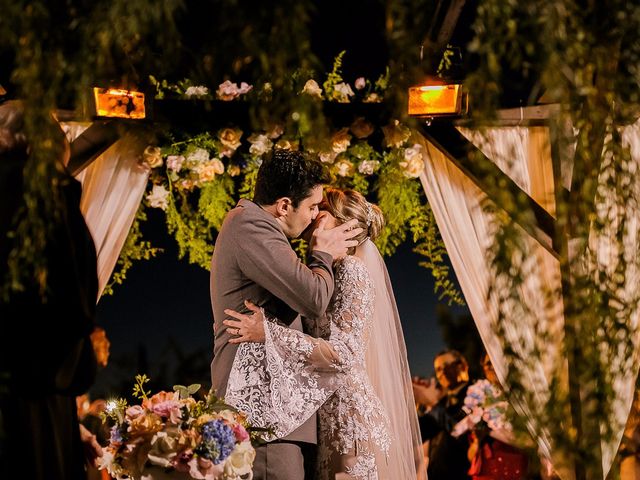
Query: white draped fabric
point(523, 154)
point(112, 189)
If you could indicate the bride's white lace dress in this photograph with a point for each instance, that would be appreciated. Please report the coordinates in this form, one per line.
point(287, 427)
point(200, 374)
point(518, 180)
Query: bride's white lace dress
point(282, 382)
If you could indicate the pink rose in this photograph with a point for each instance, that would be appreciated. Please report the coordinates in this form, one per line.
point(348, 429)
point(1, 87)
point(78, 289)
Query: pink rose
point(240, 433)
point(134, 412)
point(169, 409)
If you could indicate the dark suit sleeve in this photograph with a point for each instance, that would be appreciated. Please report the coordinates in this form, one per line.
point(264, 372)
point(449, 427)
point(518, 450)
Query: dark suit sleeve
point(266, 257)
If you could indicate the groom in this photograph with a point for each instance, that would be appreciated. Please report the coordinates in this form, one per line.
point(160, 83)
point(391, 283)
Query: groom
point(253, 260)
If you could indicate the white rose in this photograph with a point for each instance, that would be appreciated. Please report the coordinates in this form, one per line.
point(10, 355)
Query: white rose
point(312, 88)
point(367, 167)
point(327, 157)
point(164, 448)
point(196, 157)
point(413, 163)
point(198, 91)
point(240, 462)
point(174, 162)
point(343, 92)
point(152, 156)
point(159, 197)
point(344, 168)
point(260, 144)
point(341, 141)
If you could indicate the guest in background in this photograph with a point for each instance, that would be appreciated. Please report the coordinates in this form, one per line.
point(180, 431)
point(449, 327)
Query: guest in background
point(46, 356)
point(492, 453)
point(441, 409)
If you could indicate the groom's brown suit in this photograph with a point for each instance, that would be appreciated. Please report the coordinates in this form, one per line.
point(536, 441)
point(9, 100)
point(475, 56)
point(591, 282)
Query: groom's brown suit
point(253, 260)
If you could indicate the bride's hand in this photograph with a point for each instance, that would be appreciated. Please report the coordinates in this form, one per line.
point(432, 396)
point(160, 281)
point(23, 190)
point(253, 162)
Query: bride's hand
point(247, 328)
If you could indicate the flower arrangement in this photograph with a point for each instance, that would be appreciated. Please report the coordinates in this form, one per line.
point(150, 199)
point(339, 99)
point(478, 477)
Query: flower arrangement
point(173, 433)
point(486, 407)
point(197, 177)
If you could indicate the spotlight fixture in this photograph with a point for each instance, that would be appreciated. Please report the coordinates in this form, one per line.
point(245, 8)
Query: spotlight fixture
point(437, 100)
point(112, 102)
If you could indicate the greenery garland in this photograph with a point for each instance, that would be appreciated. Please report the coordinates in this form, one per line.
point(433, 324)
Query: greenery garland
point(196, 179)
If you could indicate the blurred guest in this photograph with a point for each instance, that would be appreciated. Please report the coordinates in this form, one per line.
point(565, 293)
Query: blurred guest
point(492, 453)
point(46, 356)
point(440, 406)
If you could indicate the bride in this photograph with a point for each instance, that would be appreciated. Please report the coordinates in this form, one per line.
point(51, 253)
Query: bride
point(355, 375)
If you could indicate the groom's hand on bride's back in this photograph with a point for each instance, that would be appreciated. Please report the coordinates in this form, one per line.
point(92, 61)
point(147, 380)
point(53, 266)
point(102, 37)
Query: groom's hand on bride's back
point(334, 241)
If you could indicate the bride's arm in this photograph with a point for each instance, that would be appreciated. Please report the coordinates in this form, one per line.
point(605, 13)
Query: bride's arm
point(335, 354)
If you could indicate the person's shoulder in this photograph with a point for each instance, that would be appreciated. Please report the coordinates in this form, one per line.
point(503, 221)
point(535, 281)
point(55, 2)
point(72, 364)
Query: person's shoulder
point(248, 219)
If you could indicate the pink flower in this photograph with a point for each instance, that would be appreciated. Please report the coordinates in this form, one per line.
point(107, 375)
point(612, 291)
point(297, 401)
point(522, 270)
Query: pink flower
point(227, 91)
point(240, 432)
point(134, 412)
point(360, 83)
point(169, 410)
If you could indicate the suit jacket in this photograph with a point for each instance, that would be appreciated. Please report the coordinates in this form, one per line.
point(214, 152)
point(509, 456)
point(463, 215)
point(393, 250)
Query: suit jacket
point(253, 260)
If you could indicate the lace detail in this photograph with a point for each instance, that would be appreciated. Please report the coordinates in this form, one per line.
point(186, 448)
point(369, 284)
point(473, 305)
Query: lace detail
point(364, 467)
point(283, 382)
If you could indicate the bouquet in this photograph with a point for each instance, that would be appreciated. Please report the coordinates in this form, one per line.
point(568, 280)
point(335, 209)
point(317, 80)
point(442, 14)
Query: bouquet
point(486, 407)
point(172, 433)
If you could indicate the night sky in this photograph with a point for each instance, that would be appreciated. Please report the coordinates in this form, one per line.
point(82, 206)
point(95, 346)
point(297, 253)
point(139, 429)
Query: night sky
point(159, 321)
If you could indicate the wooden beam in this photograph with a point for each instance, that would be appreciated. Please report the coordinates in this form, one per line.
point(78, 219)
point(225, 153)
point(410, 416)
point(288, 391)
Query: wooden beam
point(91, 144)
point(458, 150)
point(440, 32)
point(535, 115)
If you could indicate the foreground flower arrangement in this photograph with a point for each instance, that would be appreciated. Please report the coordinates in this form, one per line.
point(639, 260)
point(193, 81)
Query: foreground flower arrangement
point(173, 433)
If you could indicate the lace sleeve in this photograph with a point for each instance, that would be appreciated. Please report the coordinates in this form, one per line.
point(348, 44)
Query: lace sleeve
point(349, 315)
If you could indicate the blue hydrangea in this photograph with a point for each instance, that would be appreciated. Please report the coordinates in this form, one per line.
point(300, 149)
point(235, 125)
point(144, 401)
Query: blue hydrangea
point(218, 441)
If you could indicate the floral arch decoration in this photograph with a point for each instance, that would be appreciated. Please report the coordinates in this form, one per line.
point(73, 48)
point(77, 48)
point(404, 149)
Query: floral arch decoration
point(196, 177)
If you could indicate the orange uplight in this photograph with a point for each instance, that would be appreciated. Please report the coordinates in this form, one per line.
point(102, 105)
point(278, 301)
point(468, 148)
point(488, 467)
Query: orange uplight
point(434, 100)
point(112, 102)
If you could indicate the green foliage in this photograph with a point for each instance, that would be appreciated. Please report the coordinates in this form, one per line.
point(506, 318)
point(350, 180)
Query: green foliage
point(216, 199)
point(584, 66)
point(430, 245)
point(186, 392)
point(138, 388)
point(334, 77)
point(398, 198)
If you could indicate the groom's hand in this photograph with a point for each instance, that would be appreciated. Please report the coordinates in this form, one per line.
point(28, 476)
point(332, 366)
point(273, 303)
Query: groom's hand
point(335, 241)
point(246, 328)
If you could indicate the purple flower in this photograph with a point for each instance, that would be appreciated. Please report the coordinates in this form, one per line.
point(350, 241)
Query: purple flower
point(116, 434)
point(218, 441)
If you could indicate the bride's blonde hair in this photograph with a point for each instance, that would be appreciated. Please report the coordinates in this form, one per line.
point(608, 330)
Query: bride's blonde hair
point(348, 204)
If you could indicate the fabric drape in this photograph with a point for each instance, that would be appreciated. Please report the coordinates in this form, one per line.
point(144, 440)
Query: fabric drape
point(112, 189)
point(522, 153)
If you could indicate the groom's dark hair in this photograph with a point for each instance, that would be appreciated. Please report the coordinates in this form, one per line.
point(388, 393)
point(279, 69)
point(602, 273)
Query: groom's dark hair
point(290, 174)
